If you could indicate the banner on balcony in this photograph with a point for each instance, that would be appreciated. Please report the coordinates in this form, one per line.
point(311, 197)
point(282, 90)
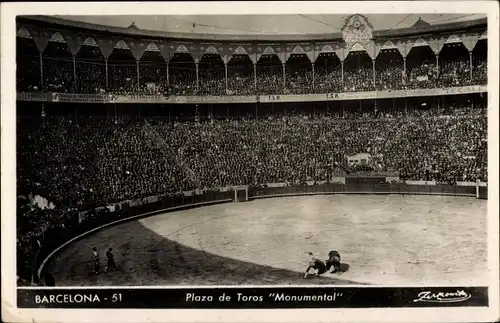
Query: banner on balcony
point(82, 98)
point(359, 159)
point(217, 99)
point(422, 78)
point(465, 89)
point(141, 99)
point(162, 99)
point(33, 97)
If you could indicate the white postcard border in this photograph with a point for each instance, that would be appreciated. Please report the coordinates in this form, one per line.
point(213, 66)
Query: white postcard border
point(8, 162)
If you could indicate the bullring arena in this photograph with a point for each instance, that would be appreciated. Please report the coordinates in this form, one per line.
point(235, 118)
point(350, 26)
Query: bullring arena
point(383, 239)
point(369, 140)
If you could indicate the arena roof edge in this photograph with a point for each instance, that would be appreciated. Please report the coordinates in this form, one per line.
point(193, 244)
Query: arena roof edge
point(402, 32)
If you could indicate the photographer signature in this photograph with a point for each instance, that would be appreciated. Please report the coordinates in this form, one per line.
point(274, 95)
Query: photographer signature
point(442, 297)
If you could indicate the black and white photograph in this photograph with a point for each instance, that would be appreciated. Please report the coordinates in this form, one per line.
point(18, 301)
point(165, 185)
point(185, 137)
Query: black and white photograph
point(273, 156)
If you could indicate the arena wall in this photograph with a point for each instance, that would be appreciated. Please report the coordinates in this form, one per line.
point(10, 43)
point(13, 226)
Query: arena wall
point(104, 217)
point(387, 188)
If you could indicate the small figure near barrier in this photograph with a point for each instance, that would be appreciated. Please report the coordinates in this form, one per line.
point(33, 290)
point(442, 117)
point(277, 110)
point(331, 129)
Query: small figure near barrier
point(111, 260)
point(95, 261)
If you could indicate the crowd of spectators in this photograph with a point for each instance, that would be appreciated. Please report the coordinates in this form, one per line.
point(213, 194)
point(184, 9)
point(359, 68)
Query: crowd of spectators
point(359, 79)
point(28, 77)
point(96, 161)
point(270, 80)
point(212, 81)
point(328, 79)
point(182, 80)
point(33, 223)
point(455, 72)
point(240, 77)
point(299, 81)
point(241, 83)
point(153, 79)
point(58, 75)
point(58, 68)
point(90, 71)
point(123, 78)
point(423, 76)
point(480, 73)
point(390, 76)
point(89, 76)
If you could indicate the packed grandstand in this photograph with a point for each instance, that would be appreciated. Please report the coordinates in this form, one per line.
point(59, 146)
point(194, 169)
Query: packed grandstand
point(113, 114)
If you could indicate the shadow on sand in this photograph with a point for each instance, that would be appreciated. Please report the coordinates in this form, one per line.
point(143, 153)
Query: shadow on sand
point(344, 267)
point(147, 259)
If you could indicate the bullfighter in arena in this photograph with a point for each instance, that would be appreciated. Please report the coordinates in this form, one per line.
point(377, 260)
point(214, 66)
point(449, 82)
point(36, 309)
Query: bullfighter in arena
point(316, 264)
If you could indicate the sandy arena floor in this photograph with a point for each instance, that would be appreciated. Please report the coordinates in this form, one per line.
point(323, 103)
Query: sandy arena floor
point(390, 240)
